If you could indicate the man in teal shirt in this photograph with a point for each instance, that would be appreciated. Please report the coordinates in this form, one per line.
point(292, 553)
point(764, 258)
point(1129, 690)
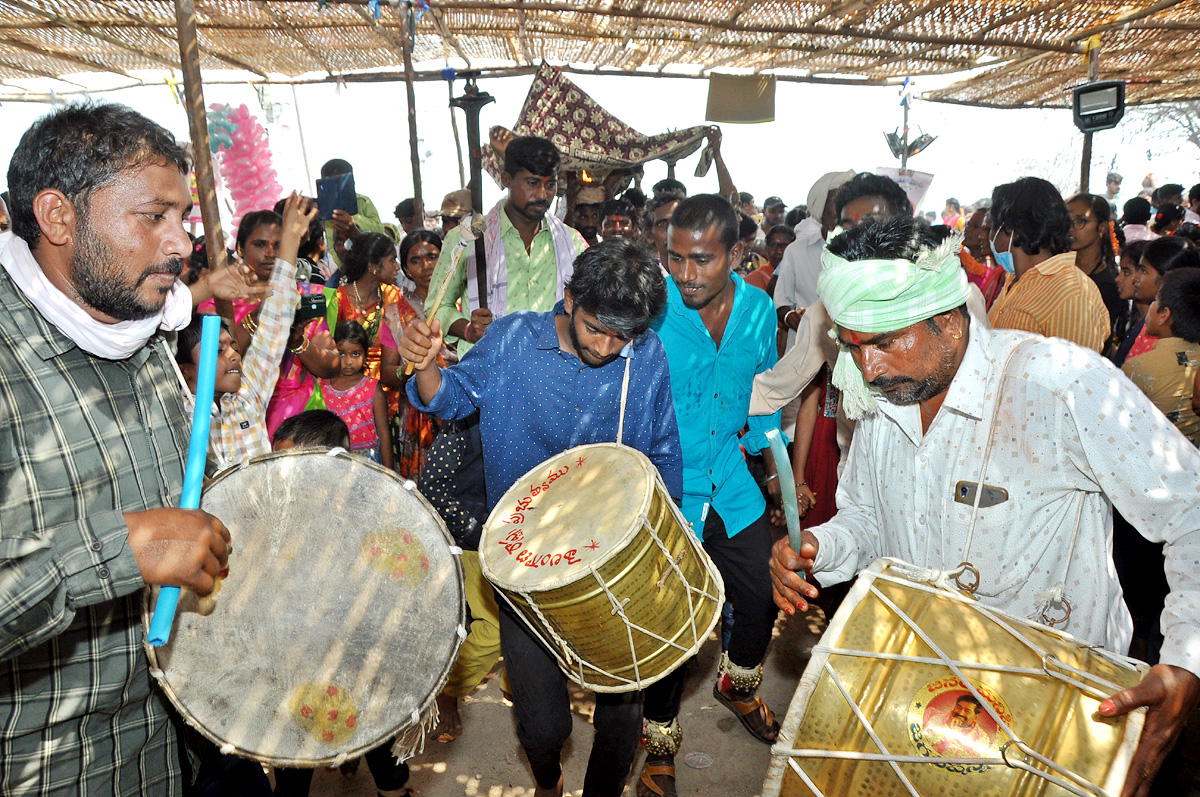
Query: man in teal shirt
point(530, 253)
point(718, 332)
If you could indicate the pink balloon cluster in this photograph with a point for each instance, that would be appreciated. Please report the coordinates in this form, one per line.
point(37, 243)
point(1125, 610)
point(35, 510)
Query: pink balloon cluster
point(245, 163)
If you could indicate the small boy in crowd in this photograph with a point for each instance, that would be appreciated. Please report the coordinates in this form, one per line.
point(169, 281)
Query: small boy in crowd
point(1167, 372)
point(312, 429)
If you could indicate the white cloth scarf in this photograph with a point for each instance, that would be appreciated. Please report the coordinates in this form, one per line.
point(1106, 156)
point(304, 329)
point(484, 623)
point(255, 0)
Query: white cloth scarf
point(497, 261)
point(117, 341)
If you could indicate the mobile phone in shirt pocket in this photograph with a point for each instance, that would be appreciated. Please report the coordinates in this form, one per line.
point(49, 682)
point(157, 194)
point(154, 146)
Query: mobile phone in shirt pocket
point(964, 493)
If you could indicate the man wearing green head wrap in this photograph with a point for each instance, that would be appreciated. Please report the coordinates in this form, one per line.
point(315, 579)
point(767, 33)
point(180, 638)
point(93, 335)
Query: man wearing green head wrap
point(1053, 432)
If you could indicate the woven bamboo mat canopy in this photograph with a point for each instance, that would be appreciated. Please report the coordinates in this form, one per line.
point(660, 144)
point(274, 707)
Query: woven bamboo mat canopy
point(1012, 53)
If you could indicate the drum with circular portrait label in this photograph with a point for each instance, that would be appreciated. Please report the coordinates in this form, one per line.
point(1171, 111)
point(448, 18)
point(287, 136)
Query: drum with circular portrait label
point(338, 622)
point(594, 556)
point(915, 690)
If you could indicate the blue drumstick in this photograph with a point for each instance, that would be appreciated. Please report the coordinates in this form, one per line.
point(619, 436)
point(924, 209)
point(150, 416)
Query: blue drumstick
point(193, 476)
point(787, 490)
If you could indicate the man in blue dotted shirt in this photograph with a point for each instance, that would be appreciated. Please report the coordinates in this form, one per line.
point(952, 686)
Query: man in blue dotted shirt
point(544, 383)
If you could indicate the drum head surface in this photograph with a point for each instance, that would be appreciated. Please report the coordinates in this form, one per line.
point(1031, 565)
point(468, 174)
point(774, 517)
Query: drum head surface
point(338, 622)
point(571, 513)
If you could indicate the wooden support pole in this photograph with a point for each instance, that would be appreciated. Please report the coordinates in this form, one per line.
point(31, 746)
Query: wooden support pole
point(462, 171)
point(189, 58)
point(1085, 169)
point(413, 145)
point(472, 103)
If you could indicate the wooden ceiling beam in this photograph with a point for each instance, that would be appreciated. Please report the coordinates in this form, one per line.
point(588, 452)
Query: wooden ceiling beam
point(447, 36)
point(168, 35)
point(523, 33)
point(904, 20)
point(1124, 19)
point(1060, 5)
point(104, 37)
point(35, 72)
point(87, 64)
point(294, 35)
point(638, 7)
point(688, 22)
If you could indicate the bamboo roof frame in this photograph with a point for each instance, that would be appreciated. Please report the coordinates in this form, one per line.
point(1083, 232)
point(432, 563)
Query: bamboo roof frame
point(1010, 53)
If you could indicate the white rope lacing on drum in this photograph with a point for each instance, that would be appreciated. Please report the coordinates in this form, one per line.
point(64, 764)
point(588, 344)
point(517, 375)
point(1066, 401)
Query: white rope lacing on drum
point(567, 657)
point(1103, 687)
point(618, 608)
point(870, 729)
point(674, 564)
point(336, 451)
point(624, 395)
point(455, 550)
point(1052, 667)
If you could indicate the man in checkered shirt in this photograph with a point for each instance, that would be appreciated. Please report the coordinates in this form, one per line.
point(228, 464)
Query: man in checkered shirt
point(92, 439)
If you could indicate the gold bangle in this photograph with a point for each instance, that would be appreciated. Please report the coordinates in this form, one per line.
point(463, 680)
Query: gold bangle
point(303, 347)
point(249, 323)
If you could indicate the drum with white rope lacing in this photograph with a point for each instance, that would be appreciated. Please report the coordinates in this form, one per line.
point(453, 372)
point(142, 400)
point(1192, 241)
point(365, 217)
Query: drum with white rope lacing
point(595, 557)
point(337, 624)
point(919, 690)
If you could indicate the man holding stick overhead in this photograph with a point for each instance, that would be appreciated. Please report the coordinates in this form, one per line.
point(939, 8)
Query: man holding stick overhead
point(529, 251)
point(544, 383)
point(1053, 430)
point(93, 436)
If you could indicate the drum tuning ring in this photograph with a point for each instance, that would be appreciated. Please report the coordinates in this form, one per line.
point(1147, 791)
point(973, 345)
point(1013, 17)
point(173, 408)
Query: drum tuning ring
point(1004, 753)
point(963, 569)
point(1052, 621)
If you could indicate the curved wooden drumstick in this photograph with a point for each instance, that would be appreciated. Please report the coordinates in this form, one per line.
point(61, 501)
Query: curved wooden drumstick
point(469, 234)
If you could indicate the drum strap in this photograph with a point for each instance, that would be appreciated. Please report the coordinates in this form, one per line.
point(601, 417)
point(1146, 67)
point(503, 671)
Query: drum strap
point(1054, 595)
point(987, 449)
point(624, 396)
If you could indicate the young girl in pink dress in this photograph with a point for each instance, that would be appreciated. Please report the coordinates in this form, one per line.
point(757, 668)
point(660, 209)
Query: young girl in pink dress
point(357, 398)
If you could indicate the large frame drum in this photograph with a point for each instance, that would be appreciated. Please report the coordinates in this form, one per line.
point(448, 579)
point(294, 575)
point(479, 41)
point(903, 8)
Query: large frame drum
point(914, 690)
point(339, 620)
point(594, 556)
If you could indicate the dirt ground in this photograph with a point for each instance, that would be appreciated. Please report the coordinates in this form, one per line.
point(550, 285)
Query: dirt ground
point(487, 761)
point(718, 757)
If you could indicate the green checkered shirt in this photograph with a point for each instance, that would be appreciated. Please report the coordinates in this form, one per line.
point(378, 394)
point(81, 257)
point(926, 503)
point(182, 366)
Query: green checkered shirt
point(82, 440)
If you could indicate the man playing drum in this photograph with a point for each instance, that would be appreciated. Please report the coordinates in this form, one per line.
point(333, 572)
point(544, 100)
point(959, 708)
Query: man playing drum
point(1051, 430)
point(544, 383)
point(93, 434)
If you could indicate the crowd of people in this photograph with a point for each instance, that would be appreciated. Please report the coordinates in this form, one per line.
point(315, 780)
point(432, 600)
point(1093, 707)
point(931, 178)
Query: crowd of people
point(1050, 344)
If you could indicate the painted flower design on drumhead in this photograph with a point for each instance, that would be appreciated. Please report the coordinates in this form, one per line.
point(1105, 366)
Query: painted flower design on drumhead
point(946, 721)
point(397, 554)
point(325, 711)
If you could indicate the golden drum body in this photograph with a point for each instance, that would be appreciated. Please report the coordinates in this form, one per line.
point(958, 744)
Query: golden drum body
point(591, 552)
point(918, 690)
